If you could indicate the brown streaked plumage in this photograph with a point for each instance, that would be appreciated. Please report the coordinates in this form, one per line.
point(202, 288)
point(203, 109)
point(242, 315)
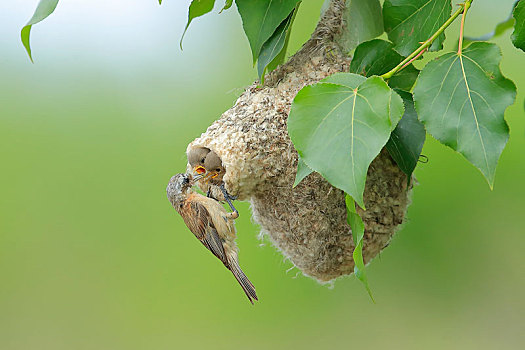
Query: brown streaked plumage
point(211, 224)
point(208, 165)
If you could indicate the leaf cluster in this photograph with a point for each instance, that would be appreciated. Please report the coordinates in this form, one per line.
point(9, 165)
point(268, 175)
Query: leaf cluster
point(459, 98)
point(339, 125)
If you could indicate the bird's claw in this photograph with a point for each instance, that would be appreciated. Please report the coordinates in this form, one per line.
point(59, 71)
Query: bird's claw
point(228, 198)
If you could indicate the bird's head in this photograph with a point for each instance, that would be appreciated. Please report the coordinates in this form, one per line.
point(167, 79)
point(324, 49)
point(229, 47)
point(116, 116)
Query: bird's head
point(178, 187)
point(213, 167)
point(196, 158)
point(205, 164)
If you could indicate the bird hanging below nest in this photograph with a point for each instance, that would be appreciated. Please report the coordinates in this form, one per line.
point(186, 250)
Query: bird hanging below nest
point(211, 224)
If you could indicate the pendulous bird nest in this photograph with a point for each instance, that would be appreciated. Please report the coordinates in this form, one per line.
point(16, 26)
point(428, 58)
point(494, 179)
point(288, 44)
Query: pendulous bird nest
point(306, 223)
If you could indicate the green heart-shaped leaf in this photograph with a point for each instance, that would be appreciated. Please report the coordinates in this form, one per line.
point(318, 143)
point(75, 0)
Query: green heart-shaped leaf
point(376, 57)
point(340, 125)
point(407, 139)
point(260, 19)
point(364, 21)
point(518, 36)
point(197, 8)
point(461, 99)
point(358, 231)
point(303, 170)
point(273, 50)
point(227, 5)
point(43, 10)
point(409, 22)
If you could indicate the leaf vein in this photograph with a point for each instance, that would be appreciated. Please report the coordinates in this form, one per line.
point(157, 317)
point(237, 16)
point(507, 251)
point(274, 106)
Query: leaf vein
point(475, 117)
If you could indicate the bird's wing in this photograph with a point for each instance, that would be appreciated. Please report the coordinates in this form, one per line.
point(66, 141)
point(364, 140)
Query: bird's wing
point(199, 222)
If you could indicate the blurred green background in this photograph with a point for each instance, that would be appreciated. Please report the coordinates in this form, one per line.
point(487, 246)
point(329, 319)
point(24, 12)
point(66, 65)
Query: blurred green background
point(92, 256)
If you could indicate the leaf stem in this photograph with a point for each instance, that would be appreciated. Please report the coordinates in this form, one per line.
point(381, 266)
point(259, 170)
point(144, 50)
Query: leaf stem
point(465, 9)
point(428, 42)
point(415, 58)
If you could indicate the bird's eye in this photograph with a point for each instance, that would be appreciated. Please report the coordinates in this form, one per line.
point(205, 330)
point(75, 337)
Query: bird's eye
point(218, 170)
point(202, 160)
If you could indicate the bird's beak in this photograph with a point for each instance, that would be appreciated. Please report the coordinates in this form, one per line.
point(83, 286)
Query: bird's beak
point(199, 172)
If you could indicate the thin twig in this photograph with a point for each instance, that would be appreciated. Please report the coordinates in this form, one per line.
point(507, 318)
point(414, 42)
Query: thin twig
point(415, 58)
point(428, 42)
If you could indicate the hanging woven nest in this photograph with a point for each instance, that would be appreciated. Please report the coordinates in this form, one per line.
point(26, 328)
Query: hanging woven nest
point(306, 223)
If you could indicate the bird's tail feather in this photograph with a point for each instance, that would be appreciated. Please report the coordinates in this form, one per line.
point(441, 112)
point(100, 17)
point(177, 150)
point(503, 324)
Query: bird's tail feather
point(245, 283)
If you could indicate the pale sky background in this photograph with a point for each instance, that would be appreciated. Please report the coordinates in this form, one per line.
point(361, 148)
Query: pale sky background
point(124, 35)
